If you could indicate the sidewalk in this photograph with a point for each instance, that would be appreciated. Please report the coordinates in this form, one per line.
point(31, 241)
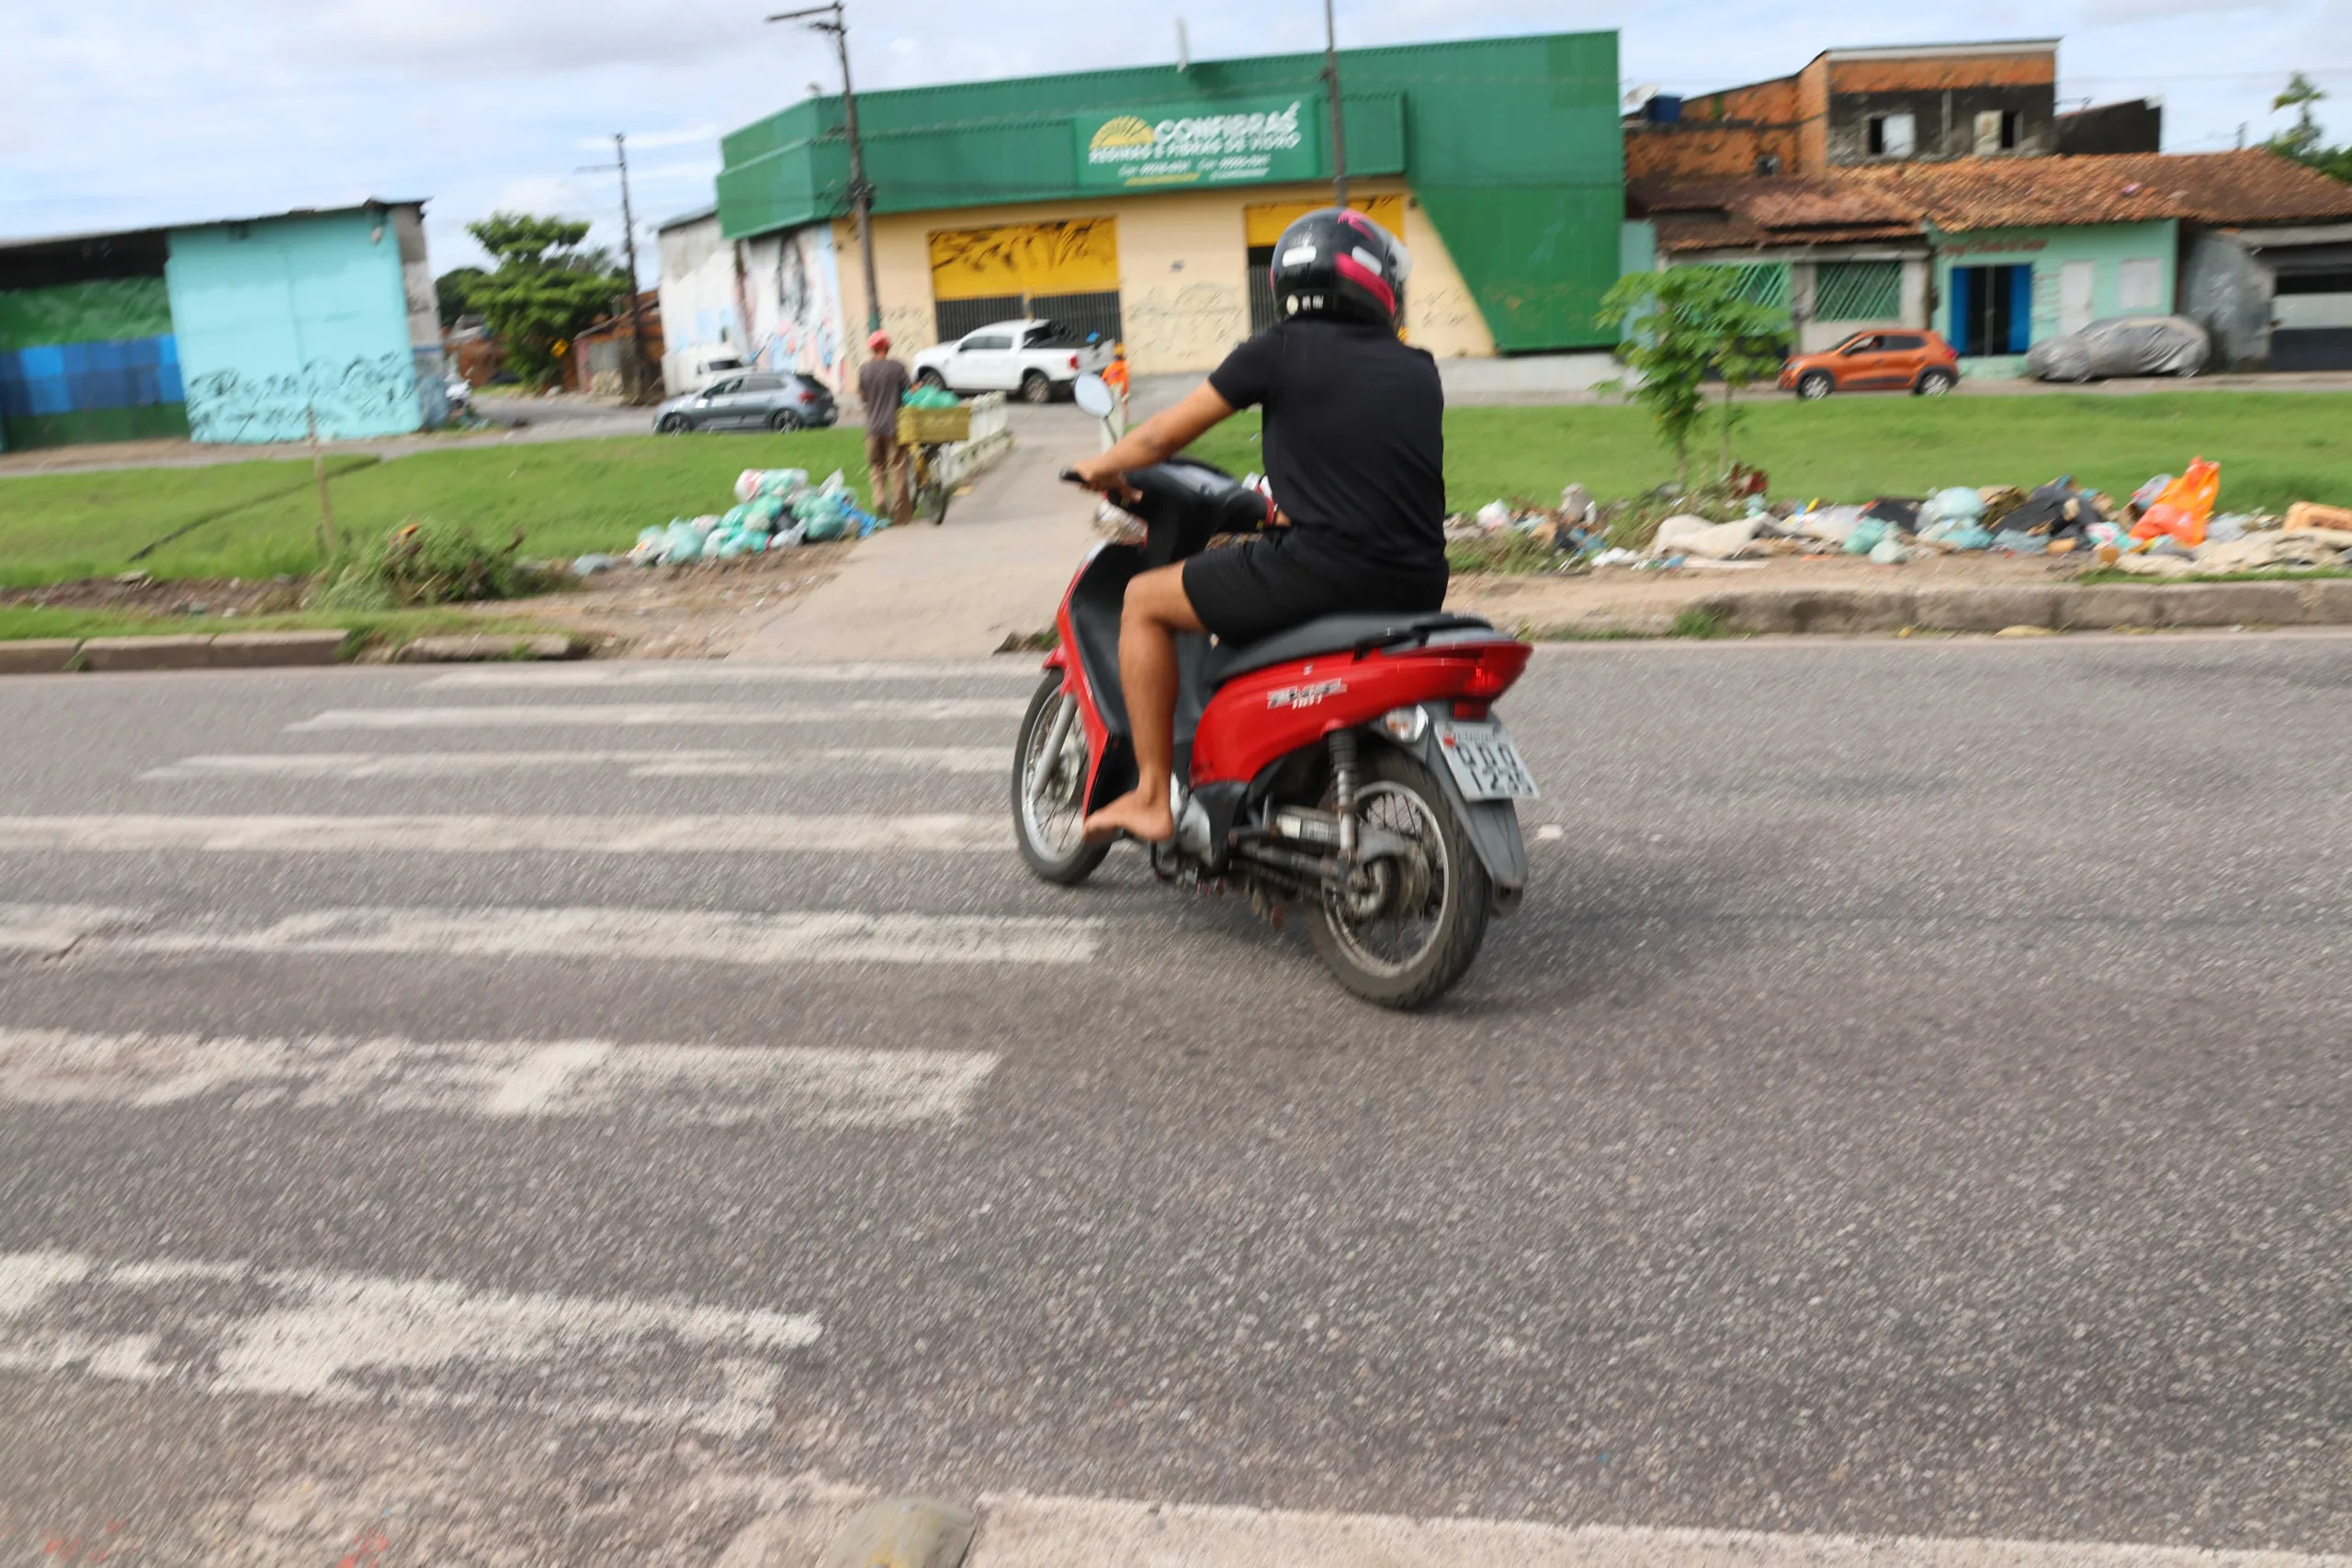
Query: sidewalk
point(996, 568)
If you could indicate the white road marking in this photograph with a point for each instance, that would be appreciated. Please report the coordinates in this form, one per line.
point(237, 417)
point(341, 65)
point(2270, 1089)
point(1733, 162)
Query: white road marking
point(689, 671)
point(1019, 1531)
point(778, 834)
point(354, 1339)
point(348, 765)
point(706, 1086)
point(697, 936)
point(48, 930)
point(634, 716)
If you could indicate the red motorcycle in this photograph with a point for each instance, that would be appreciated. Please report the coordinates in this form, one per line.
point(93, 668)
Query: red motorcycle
point(1353, 764)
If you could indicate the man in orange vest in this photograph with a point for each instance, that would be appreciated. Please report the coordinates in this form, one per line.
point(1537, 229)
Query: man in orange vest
point(1114, 376)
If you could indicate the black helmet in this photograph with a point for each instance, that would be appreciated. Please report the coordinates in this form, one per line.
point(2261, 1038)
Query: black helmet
point(1342, 264)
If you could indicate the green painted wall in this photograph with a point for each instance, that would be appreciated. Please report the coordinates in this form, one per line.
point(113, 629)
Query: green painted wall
point(2106, 246)
point(1512, 145)
point(108, 310)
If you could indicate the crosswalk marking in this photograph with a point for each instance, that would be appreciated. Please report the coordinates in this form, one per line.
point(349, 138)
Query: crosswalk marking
point(48, 930)
point(692, 671)
point(650, 935)
point(633, 715)
point(342, 766)
point(781, 833)
point(1020, 1531)
point(667, 1085)
point(239, 1329)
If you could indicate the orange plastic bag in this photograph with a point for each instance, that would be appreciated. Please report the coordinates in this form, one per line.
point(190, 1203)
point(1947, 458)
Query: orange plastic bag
point(2185, 506)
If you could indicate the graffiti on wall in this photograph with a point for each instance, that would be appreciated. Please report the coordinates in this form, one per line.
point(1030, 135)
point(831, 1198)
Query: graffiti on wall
point(369, 395)
point(792, 288)
point(1191, 328)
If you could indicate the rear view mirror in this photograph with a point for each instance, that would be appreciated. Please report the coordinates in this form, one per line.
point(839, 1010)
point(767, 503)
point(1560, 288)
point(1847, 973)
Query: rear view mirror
point(1094, 395)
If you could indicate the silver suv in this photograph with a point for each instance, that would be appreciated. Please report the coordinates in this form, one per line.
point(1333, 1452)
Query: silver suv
point(757, 399)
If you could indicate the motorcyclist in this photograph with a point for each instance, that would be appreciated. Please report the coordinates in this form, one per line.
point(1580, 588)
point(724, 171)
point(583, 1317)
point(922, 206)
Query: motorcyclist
point(1355, 453)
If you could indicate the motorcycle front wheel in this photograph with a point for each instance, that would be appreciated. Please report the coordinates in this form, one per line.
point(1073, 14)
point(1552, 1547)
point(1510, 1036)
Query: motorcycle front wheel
point(1049, 792)
point(1409, 927)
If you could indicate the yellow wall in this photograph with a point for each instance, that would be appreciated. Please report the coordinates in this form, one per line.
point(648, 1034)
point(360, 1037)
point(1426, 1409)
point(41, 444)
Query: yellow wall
point(1183, 271)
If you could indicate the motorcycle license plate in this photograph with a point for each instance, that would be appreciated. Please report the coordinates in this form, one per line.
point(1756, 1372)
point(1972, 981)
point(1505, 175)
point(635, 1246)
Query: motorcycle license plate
point(1484, 762)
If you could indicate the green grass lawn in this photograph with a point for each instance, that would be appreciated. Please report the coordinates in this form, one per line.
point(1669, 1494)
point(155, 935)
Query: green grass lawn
point(258, 520)
point(54, 527)
point(388, 628)
point(566, 497)
point(2274, 447)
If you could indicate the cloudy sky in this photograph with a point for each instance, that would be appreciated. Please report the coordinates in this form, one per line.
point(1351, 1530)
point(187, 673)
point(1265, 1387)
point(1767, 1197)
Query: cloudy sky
point(122, 113)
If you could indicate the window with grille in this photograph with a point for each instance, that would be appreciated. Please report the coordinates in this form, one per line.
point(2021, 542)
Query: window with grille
point(1765, 283)
point(1857, 291)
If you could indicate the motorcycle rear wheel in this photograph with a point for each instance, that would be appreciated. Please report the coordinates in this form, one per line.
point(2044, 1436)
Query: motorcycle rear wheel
point(1047, 821)
point(1400, 957)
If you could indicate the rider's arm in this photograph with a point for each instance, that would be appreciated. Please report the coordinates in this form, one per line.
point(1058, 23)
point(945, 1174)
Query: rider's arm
point(1157, 439)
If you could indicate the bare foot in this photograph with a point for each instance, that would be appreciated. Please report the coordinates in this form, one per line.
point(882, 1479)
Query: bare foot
point(1150, 820)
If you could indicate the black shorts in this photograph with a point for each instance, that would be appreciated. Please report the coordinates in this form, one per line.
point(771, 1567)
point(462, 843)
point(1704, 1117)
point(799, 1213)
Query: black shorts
point(1270, 583)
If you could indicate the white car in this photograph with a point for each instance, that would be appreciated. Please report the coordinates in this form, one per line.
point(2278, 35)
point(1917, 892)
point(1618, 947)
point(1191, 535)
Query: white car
point(1036, 359)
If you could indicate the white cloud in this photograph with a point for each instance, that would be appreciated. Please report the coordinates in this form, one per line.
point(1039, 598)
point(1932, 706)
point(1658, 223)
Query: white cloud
point(180, 111)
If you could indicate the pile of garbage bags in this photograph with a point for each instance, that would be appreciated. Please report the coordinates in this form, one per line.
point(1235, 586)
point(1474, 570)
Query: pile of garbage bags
point(2169, 526)
point(776, 509)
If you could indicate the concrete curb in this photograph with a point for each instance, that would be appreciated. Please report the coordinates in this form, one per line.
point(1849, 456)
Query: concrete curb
point(476, 648)
point(2054, 606)
point(904, 1532)
point(38, 655)
point(222, 651)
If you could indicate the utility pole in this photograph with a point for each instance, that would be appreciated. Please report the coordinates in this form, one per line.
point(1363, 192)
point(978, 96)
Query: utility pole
point(831, 19)
point(640, 363)
point(1338, 131)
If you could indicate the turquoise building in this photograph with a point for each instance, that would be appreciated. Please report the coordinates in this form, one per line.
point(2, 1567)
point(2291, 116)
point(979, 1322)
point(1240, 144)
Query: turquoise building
point(248, 330)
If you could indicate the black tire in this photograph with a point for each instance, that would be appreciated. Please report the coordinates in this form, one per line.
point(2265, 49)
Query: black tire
point(1461, 890)
point(1933, 383)
point(932, 378)
point(1815, 384)
point(934, 504)
point(1035, 389)
point(1067, 865)
point(783, 419)
point(673, 424)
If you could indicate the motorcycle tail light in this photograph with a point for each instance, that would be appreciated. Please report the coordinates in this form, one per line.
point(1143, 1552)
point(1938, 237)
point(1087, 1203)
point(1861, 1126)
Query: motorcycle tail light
point(1073, 361)
point(1499, 665)
point(1472, 711)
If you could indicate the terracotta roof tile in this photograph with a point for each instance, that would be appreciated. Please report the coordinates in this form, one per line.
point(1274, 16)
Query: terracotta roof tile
point(2250, 187)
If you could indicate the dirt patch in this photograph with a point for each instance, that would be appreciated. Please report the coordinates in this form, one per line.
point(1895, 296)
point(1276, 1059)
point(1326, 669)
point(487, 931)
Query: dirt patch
point(702, 611)
point(1623, 600)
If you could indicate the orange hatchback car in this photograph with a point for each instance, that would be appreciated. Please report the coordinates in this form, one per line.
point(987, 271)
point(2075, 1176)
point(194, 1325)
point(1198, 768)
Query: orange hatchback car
point(1917, 361)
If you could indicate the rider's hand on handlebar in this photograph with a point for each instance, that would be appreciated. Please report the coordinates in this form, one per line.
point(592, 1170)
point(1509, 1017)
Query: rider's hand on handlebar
point(1094, 475)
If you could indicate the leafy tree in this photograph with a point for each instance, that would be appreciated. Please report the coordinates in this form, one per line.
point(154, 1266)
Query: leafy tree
point(1682, 325)
point(2302, 141)
point(450, 289)
point(546, 288)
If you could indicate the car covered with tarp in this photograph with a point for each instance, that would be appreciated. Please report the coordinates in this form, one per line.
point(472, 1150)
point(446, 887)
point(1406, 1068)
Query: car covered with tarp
point(2123, 345)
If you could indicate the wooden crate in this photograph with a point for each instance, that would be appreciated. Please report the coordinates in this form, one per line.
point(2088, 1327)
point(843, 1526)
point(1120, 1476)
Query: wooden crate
point(926, 427)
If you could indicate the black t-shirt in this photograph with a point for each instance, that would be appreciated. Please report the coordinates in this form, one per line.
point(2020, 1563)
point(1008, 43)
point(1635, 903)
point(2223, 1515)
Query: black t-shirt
point(1354, 438)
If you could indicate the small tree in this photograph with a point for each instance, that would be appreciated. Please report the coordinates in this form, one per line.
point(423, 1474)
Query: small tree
point(2302, 141)
point(449, 291)
point(546, 288)
point(1682, 325)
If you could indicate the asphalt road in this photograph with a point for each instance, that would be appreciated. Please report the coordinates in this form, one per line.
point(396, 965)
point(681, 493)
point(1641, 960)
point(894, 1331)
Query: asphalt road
point(1914, 1099)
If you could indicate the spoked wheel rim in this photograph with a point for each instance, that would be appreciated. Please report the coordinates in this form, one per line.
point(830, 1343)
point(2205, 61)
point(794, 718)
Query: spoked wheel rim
point(1391, 941)
point(1052, 814)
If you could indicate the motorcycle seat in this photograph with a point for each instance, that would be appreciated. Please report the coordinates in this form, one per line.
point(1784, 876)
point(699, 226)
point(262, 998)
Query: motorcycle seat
point(1352, 633)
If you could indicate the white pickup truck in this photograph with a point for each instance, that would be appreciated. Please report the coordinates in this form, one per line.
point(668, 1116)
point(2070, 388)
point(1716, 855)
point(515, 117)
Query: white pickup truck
point(1035, 359)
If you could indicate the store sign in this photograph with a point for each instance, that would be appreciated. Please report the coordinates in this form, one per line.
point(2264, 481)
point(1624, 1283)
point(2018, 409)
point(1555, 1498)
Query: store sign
point(1245, 144)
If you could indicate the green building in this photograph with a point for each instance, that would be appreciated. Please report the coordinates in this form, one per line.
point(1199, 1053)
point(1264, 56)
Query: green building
point(1143, 203)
